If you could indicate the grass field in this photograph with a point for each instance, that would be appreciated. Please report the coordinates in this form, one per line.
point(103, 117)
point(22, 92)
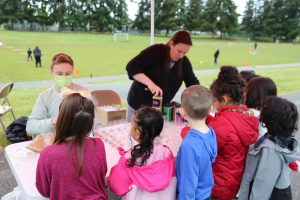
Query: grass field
point(98, 54)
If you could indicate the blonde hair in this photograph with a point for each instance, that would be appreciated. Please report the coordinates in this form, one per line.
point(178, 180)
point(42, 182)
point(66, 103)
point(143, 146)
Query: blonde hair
point(196, 101)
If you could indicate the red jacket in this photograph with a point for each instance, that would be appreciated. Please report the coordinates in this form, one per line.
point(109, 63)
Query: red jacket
point(236, 128)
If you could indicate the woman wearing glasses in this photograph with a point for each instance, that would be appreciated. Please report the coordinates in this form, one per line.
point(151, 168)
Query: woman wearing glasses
point(159, 70)
point(44, 113)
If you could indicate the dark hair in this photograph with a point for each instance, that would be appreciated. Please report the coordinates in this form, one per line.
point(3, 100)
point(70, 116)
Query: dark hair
point(149, 122)
point(247, 75)
point(182, 37)
point(74, 123)
point(280, 116)
point(257, 90)
point(61, 58)
point(228, 83)
point(196, 101)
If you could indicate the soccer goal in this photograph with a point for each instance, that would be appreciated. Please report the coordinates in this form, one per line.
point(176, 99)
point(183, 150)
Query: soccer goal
point(121, 34)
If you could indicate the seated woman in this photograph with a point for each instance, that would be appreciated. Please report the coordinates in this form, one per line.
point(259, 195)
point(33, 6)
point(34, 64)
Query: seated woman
point(44, 113)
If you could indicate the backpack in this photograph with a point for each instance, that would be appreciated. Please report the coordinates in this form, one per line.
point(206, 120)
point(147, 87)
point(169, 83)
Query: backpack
point(16, 131)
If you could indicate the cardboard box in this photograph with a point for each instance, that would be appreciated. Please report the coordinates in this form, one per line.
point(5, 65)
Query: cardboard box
point(107, 114)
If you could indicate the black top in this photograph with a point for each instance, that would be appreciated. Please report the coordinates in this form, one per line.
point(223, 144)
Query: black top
point(217, 52)
point(154, 62)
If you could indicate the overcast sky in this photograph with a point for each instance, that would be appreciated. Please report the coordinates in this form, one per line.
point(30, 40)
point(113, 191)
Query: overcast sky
point(133, 7)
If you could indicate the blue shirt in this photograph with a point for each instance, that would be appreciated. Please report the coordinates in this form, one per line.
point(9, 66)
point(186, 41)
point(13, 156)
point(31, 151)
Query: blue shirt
point(193, 165)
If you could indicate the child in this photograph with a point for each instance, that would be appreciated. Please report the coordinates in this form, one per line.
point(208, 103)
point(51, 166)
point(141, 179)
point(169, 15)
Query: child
point(74, 167)
point(236, 128)
point(256, 91)
point(148, 165)
point(266, 174)
point(198, 149)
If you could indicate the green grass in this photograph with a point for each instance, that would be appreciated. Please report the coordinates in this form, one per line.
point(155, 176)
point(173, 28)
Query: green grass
point(98, 55)
point(23, 100)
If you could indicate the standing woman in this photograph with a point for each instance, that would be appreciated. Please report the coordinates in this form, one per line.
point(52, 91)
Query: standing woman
point(159, 70)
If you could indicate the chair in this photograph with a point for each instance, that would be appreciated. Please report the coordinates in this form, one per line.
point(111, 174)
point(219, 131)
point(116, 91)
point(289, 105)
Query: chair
point(105, 97)
point(5, 105)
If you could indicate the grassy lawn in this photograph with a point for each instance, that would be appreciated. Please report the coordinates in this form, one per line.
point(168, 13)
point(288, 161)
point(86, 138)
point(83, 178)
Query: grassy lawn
point(23, 100)
point(98, 54)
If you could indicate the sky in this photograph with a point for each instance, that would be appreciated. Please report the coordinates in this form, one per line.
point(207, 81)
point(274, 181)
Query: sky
point(133, 7)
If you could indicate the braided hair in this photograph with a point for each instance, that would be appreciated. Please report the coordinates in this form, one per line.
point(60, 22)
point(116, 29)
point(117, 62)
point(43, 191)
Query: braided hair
point(149, 122)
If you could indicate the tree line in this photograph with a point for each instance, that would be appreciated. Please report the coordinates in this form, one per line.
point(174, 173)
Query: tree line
point(279, 19)
point(99, 15)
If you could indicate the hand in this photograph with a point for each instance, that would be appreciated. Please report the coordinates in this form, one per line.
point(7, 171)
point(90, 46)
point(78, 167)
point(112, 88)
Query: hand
point(155, 90)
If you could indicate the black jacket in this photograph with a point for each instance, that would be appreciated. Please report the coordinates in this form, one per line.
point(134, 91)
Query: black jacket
point(154, 62)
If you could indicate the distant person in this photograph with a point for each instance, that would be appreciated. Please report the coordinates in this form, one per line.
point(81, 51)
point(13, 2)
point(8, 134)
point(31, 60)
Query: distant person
point(159, 70)
point(267, 175)
point(148, 164)
point(37, 56)
point(216, 56)
point(44, 113)
point(1, 44)
point(198, 149)
point(255, 46)
point(74, 166)
point(29, 54)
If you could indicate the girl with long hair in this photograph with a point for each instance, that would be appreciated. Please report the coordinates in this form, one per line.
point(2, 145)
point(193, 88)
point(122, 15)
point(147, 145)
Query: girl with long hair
point(148, 165)
point(74, 167)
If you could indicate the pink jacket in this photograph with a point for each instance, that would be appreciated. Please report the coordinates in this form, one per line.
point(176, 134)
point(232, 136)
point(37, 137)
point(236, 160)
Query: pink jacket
point(154, 176)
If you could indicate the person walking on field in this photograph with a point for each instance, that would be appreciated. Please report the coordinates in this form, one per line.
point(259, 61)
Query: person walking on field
point(29, 54)
point(37, 56)
point(216, 56)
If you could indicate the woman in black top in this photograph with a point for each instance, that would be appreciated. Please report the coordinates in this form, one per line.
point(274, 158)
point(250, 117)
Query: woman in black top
point(159, 70)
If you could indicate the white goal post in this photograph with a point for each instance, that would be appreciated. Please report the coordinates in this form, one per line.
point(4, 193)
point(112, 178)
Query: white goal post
point(121, 35)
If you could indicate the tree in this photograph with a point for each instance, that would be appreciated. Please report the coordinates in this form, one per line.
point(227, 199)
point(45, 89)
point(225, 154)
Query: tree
point(165, 15)
point(181, 13)
point(226, 17)
point(28, 11)
point(101, 14)
point(248, 17)
point(57, 11)
point(210, 17)
point(42, 15)
point(10, 11)
point(292, 19)
point(194, 19)
point(120, 13)
point(142, 20)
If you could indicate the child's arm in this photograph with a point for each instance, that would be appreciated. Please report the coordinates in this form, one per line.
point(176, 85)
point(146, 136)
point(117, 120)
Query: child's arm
point(268, 170)
point(118, 179)
point(188, 170)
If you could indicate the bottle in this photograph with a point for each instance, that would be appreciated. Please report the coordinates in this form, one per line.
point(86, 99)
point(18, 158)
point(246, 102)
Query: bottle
point(157, 103)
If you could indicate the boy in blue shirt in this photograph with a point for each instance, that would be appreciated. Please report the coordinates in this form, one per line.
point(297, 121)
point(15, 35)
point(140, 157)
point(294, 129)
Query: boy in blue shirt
point(198, 150)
